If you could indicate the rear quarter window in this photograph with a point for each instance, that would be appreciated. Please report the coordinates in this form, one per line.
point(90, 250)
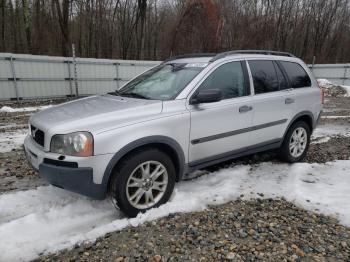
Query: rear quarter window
point(297, 75)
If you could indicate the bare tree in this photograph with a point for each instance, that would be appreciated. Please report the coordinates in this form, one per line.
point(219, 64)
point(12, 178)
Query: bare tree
point(27, 24)
point(3, 23)
point(62, 9)
point(149, 29)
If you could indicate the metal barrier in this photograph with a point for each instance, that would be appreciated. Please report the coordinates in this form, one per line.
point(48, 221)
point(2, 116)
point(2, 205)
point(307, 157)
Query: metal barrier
point(32, 77)
point(28, 76)
point(336, 73)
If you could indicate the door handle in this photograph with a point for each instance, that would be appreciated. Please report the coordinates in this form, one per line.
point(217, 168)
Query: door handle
point(245, 108)
point(289, 101)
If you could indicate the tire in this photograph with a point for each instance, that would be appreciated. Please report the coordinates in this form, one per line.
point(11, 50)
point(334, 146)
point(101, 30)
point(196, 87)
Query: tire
point(131, 178)
point(298, 153)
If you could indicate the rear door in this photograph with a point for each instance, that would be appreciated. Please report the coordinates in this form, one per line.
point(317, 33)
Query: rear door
point(219, 128)
point(306, 97)
point(273, 101)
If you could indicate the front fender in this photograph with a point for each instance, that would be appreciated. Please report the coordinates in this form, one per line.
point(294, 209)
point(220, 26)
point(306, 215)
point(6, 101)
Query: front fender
point(142, 142)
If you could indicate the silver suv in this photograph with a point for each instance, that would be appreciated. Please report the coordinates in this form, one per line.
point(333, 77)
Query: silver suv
point(185, 114)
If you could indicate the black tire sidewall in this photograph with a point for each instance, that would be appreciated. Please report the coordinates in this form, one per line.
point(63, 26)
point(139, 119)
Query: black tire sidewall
point(285, 152)
point(127, 166)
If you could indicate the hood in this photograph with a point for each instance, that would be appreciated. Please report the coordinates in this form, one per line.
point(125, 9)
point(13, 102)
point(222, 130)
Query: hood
point(95, 114)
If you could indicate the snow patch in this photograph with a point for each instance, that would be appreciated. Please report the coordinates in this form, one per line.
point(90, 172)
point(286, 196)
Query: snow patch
point(8, 109)
point(324, 82)
point(347, 89)
point(12, 139)
point(323, 133)
point(331, 131)
point(332, 89)
point(14, 125)
point(48, 219)
point(321, 140)
point(334, 117)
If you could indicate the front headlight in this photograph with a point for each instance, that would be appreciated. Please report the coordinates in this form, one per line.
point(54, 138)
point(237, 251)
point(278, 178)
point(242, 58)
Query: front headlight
point(74, 144)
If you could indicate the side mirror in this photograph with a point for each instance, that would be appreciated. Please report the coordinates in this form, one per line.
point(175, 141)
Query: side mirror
point(206, 96)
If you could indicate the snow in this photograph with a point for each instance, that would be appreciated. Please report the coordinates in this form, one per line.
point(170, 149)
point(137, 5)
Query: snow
point(331, 131)
point(48, 219)
point(323, 133)
point(320, 140)
point(334, 117)
point(347, 89)
point(3, 126)
point(324, 82)
point(7, 109)
point(328, 85)
point(12, 140)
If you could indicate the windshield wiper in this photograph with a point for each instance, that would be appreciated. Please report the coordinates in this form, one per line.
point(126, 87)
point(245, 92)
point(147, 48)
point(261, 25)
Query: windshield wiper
point(115, 93)
point(135, 95)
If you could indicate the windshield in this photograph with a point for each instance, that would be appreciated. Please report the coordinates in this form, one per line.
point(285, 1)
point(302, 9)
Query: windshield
point(163, 82)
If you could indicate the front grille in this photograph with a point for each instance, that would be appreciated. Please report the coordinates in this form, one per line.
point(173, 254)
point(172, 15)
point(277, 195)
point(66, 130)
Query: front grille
point(37, 135)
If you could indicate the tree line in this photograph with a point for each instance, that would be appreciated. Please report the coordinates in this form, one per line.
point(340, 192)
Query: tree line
point(157, 29)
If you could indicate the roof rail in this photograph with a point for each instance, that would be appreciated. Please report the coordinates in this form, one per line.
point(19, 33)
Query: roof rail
point(261, 52)
point(191, 56)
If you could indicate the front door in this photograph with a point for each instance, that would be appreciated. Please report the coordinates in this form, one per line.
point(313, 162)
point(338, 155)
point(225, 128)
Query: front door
point(221, 128)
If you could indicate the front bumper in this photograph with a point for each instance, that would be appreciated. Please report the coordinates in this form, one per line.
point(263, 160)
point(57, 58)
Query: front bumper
point(78, 180)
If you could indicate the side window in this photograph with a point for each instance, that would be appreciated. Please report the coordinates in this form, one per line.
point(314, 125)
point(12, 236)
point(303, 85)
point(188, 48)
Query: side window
point(264, 76)
point(283, 83)
point(229, 78)
point(297, 75)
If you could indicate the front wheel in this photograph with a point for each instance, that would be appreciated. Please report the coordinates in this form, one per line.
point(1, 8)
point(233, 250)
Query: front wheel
point(296, 142)
point(143, 180)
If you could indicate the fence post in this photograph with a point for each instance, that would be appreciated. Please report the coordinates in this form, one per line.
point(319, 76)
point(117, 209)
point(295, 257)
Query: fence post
point(345, 72)
point(117, 74)
point(313, 63)
point(75, 72)
point(70, 79)
point(13, 70)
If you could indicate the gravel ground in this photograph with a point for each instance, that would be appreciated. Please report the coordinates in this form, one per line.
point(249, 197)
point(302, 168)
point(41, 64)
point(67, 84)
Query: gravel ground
point(28, 103)
point(20, 119)
point(336, 106)
point(16, 174)
point(337, 148)
point(268, 230)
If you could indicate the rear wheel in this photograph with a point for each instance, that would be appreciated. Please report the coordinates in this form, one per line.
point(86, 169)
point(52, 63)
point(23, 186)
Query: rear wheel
point(296, 142)
point(143, 180)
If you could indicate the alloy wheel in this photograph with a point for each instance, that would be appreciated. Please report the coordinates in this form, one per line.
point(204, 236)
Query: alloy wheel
point(298, 142)
point(147, 184)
